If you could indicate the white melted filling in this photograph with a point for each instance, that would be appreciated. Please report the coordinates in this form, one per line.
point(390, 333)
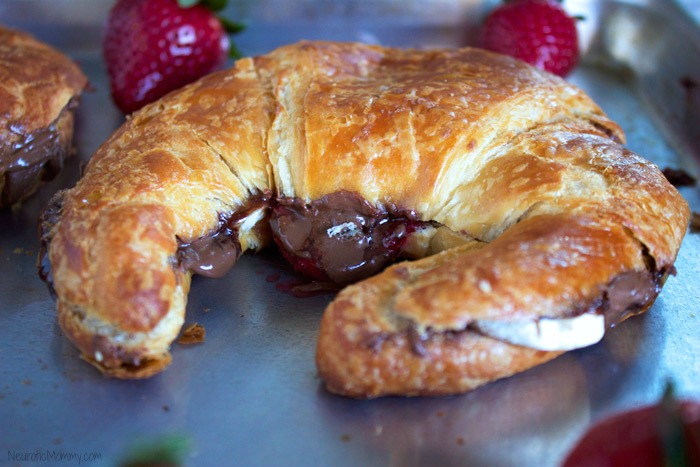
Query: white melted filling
point(547, 334)
point(246, 232)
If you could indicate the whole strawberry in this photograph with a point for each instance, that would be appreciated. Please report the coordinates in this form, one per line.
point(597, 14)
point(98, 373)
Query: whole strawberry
point(538, 32)
point(152, 47)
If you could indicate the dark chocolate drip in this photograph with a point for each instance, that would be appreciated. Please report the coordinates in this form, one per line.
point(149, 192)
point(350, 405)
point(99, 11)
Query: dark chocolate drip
point(629, 293)
point(375, 341)
point(213, 255)
point(47, 220)
point(38, 157)
point(678, 177)
point(417, 341)
point(607, 131)
point(340, 236)
point(34, 148)
point(210, 256)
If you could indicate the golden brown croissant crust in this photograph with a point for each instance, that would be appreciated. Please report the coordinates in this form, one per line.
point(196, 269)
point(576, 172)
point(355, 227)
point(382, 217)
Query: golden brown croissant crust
point(510, 183)
point(39, 88)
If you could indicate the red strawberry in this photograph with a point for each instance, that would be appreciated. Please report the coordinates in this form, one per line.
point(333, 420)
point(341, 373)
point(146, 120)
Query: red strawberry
point(538, 32)
point(642, 437)
point(152, 47)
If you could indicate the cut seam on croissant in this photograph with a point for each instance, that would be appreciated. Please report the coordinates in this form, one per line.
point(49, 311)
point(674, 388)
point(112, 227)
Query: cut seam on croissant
point(488, 161)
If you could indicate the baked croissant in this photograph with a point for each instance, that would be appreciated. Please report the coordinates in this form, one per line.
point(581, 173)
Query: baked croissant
point(537, 228)
point(39, 91)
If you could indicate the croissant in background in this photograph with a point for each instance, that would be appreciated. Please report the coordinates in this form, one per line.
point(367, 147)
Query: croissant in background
point(39, 92)
point(537, 228)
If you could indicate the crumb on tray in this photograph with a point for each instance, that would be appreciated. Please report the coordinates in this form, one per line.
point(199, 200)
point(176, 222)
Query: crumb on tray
point(192, 334)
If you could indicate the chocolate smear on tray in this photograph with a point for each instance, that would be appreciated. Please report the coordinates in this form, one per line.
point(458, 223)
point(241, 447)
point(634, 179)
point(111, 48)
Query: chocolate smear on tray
point(695, 222)
point(678, 177)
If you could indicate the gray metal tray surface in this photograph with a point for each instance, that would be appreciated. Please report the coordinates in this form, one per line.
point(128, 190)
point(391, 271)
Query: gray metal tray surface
point(250, 395)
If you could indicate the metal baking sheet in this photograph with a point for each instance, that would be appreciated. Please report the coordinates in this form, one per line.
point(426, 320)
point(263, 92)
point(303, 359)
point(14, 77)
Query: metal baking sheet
point(250, 394)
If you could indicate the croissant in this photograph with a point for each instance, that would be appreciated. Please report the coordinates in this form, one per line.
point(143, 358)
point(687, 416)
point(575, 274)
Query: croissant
point(525, 227)
point(39, 92)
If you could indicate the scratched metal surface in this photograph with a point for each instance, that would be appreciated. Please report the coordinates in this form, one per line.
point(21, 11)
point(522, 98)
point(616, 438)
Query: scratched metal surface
point(250, 394)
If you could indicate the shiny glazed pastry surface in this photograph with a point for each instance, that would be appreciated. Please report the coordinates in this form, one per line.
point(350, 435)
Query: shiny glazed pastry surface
point(511, 183)
point(39, 88)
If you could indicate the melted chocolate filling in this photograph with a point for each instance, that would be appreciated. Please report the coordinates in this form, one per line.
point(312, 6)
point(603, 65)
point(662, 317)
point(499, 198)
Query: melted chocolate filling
point(37, 158)
point(211, 255)
point(627, 294)
point(215, 254)
point(340, 237)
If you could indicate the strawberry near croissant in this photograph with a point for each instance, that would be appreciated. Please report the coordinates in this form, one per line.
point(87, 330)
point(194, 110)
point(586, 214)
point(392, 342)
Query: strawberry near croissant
point(152, 47)
point(666, 433)
point(539, 32)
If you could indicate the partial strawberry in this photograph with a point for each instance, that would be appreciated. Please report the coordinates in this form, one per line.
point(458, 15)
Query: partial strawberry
point(665, 434)
point(152, 47)
point(538, 32)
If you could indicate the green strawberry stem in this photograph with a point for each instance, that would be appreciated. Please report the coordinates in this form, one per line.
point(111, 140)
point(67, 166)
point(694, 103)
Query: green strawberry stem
point(213, 5)
point(169, 450)
point(233, 52)
point(231, 27)
point(670, 429)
